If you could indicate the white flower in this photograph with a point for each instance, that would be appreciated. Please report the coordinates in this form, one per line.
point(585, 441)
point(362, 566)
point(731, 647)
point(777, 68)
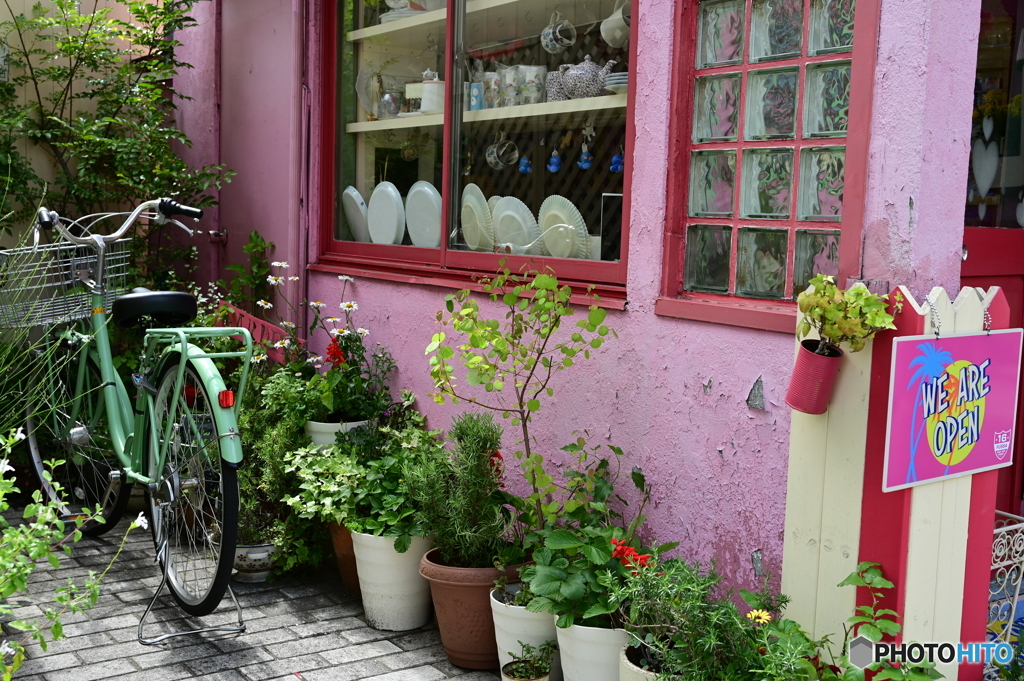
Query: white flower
point(293, 278)
point(299, 374)
point(141, 521)
point(349, 305)
point(257, 358)
point(317, 305)
point(332, 320)
point(288, 325)
point(282, 265)
point(363, 332)
point(315, 360)
point(20, 435)
point(334, 333)
point(274, 281)
point(6, 649)
point(5, 467)
point(264, 304)
point(345, 332)
point(345, 277)
point(284, 343)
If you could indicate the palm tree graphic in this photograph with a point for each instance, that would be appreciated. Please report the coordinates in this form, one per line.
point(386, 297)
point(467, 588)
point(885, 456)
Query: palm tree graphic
point(931, 363)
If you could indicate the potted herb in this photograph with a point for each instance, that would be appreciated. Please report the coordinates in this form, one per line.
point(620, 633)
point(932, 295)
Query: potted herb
point(853, 316)
point(531, 664)
point(462, 506)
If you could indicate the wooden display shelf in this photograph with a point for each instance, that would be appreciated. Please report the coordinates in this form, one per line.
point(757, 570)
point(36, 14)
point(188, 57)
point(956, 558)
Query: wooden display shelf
point(534, 116)
point(416, 29)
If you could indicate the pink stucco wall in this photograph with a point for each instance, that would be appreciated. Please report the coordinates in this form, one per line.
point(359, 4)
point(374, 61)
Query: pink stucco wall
point(920, 143)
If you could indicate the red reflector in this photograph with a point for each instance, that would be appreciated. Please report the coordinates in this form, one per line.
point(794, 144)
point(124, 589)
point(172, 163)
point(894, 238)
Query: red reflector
point(226, 398)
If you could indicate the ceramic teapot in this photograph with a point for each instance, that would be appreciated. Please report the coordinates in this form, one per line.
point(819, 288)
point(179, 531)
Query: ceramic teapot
point(585, 79)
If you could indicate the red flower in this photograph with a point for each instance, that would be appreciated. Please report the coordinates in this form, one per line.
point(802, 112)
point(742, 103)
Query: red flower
point(498, 466)
point(628, 556)
point(334, 354)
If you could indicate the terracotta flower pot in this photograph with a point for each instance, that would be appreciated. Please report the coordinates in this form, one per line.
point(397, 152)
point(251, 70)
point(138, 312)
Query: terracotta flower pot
point(462, 606)
point(814, 377)
point(343, 551)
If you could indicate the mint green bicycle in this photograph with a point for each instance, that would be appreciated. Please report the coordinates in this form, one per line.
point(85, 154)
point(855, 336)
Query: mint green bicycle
point(176, 435)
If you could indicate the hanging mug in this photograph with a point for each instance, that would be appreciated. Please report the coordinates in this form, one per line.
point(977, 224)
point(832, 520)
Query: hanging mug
point(558, 35)
point(502, 154)
point(615, 29)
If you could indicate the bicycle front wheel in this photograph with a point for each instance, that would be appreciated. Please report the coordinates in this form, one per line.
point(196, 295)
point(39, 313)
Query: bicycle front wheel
point(66, 420)
point(195, 507)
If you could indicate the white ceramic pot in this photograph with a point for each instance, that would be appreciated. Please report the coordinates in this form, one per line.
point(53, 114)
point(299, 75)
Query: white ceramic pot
point(506, 677)
point(254, 563)
point(590, 653)
point(514, 623)
point(629, 671)
point(395, 596)
point(323, 433)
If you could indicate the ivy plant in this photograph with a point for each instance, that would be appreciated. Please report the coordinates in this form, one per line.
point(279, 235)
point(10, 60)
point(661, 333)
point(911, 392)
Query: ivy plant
point(853, 316)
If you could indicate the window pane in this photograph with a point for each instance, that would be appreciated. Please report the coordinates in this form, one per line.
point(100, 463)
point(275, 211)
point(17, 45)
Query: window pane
point(717, 108)
point(832, 25)
point(816, 253)
point(708, 252)
point(771, 104)
point(712, 183)
point(827, 109)
point(777, 29)
point(542, 133)
point(721, 33)
point(391, 102)
point(767, 183)
point(761, 263)
point(822, 173)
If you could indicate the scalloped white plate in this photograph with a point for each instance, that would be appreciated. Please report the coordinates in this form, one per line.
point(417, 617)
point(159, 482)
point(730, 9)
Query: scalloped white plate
point(477, 225)
point(355, 213)
point(563, 229)
point(492, 202)
point(515, 224)
point(386, 215)
point(423, 215)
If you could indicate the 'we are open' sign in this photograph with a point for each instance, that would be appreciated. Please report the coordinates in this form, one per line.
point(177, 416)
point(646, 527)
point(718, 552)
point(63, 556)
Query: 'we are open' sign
point(952, 406)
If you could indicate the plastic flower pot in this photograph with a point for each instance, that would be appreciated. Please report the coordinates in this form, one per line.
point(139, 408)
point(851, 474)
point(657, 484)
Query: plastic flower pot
point(322, 433)
point(629, 671)
point(514, 623)
point(506, 677)
point(814, 377)
point(590, 653)
point(395, 596)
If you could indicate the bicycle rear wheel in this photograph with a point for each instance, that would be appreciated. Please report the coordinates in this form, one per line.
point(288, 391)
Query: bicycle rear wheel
point(65, 423)
point(198, 490)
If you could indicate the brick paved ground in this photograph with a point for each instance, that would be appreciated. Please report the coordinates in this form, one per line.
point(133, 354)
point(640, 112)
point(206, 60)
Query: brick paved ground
point(304, 627)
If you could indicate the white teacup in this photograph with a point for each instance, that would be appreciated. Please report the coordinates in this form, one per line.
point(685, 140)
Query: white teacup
point(615, 29)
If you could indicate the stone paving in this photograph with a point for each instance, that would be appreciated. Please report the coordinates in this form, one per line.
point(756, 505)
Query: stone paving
point(301, 627)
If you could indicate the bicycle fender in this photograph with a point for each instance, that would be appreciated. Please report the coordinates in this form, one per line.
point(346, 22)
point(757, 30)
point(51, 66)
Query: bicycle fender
point(231, 444)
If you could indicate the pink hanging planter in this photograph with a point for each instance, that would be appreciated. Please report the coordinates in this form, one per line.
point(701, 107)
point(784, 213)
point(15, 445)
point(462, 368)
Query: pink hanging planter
point(814, 377)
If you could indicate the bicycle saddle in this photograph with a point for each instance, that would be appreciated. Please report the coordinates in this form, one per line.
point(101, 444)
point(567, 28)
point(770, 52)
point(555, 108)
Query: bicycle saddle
point(166, 308)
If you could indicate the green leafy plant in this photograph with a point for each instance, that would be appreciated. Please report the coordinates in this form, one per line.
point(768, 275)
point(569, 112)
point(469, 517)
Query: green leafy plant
point(250, 283)
point(459, 498)
point(530, 662)
point(510, 362)
point(853, 316)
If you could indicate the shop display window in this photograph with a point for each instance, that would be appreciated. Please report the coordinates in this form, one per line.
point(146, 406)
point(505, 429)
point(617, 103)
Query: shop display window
point(765, 143)
point(472, 130)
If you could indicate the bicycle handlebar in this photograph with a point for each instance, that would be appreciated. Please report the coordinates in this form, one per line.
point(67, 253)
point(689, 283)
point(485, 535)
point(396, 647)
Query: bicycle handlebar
point(48, 219)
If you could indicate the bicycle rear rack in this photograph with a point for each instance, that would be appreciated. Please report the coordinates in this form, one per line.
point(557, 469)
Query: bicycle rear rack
point(163, 551)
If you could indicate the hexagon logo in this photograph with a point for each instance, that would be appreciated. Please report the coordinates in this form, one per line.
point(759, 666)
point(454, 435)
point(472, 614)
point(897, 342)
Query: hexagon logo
point(862, 652)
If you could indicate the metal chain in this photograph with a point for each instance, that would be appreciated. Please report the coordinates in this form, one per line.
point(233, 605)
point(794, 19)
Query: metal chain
point(988, 322)
point(936, 322)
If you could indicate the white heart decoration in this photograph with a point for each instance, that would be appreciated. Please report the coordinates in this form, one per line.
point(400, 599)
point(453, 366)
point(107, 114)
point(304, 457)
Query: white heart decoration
point(987, 126)
point(1020, 214)
point(985, 163)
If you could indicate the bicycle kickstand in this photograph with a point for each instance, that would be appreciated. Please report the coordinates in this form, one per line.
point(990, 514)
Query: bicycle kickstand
point(163, 552)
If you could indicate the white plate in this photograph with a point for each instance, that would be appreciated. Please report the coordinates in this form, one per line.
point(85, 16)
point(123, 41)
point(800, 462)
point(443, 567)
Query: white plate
point(477, 226)
point(386, 215)
point(355, 213)
point(616, 79)
point(565, 232)
point(617, 89)
point(423, 215)
point(492, 202)
point(515, 224)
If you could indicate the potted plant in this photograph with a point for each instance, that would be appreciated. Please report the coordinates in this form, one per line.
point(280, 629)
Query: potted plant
point(531, 663)
point(853, 316)
point(363, 488)
point(462, 506)
point(515, 624)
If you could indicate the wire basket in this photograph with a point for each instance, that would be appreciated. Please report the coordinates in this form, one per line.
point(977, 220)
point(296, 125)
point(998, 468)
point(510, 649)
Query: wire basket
point(42, 285)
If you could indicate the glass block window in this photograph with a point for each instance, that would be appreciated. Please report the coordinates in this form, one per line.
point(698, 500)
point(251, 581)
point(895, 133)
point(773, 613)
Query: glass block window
point(766, 170)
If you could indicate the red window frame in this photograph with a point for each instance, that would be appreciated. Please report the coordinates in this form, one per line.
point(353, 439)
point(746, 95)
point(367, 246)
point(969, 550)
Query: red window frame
point(443, 267)
point(771, 315)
